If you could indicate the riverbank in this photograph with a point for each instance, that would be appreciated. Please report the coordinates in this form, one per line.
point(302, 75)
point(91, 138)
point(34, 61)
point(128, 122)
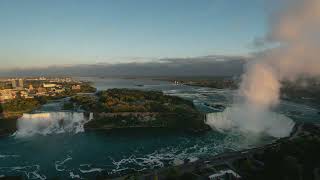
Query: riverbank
point(12, 110)
point(210, 82)
point(8, 126)
point(140, 120)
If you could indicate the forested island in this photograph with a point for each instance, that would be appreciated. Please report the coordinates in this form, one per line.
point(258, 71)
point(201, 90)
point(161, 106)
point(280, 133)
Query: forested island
point(124, 108)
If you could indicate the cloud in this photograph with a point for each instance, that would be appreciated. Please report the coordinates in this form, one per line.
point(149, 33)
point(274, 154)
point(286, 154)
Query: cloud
point(191, 66)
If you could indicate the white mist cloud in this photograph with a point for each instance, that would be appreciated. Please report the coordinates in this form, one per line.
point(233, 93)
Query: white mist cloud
point(296, 32)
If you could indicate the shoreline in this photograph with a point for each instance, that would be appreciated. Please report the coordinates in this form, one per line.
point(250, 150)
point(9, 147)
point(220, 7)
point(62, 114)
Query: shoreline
point(110, 129)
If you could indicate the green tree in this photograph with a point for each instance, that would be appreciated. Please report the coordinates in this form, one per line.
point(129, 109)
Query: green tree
point(1, 109)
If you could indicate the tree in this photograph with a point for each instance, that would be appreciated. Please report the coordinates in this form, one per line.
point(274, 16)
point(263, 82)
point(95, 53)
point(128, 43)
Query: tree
point(1, 109)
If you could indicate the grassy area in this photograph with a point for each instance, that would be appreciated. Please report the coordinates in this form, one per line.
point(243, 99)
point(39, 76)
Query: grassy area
point(20, 106)
point(125, 100)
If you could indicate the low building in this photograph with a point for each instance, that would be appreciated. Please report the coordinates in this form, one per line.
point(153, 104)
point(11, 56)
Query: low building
point(51, 85)
point(7, 94)
point(41, 91)
point(68, 80)
point(76, 87)
point(58, 90)
point(42, 78)
point(26, 95)
point(31, 89)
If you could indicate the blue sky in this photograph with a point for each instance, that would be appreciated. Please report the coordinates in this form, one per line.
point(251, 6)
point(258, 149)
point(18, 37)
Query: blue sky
point(43, 32)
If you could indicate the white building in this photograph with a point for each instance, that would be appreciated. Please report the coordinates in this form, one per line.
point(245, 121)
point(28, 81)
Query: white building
point(21, 83)
point(49, 85)
point(13, 83)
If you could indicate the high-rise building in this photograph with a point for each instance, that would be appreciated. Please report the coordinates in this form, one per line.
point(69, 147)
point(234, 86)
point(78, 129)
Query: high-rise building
point(20, 83)
point(13, 83)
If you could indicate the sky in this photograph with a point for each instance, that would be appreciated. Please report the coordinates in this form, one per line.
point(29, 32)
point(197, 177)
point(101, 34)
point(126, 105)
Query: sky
point(41, 32)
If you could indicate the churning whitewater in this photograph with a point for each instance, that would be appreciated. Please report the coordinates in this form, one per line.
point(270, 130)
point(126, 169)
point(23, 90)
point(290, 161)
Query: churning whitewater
point(51, 123)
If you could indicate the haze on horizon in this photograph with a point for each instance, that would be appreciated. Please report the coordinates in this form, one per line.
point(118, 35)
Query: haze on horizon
point(36, 33)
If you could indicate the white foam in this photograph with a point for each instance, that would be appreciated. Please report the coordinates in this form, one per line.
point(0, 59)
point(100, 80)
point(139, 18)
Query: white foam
point(177, 162)
point(60, 164)
point(90, 170)
point(31, 172)
point(159, 159)
point(74, 176)
point(9, 156)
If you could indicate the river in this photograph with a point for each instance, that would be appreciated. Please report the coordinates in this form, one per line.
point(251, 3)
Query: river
point(73, 153)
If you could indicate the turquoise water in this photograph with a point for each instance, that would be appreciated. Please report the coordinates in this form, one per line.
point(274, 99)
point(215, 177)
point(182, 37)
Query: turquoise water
point(87, 154)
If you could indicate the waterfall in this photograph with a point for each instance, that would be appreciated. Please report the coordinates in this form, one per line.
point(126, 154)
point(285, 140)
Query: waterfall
point(51, 123)
point(220, 120)
point(236, 118)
